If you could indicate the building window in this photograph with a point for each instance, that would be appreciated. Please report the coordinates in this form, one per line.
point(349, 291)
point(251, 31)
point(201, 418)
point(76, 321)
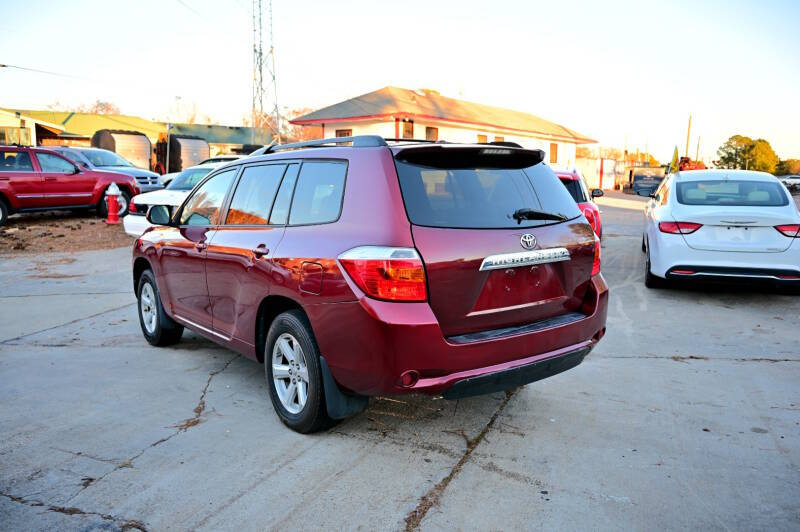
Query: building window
point(553, 153)
point(498, 138)
point(344, 132)
point(482, 139)
point(408, 130)
point(15, 135)
point(432, 133)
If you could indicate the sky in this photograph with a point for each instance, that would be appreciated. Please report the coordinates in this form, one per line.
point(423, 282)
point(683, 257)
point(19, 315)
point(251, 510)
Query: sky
point(625, 73)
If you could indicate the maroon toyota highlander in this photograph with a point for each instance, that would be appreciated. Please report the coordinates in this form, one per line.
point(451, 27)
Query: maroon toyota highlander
point(353, 267)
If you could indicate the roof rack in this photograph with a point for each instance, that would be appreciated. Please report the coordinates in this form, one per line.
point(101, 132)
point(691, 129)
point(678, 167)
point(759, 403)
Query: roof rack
point(359, 141)
point(415, 141)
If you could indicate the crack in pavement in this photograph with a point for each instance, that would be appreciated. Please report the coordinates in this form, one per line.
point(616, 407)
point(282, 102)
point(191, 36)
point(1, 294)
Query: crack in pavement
point(434, 495)
point(123, 524)
point(8, 340)
point(180, 427)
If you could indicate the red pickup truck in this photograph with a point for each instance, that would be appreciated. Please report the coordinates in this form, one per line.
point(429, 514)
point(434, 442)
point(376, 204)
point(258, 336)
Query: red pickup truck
point(38, 179)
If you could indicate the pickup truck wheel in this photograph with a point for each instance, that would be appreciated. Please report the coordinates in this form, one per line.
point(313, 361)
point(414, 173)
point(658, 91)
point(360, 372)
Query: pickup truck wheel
point(294, 375)
point(3, 213)
point(124, 200)
point(158, 328)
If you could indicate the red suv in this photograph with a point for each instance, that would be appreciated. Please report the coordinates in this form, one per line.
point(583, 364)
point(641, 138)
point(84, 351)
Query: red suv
point(577, 189)
point(37, 179)
point(373, 269)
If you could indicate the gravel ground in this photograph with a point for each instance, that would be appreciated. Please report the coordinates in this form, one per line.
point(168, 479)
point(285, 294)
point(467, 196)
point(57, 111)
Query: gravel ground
point(34, 233)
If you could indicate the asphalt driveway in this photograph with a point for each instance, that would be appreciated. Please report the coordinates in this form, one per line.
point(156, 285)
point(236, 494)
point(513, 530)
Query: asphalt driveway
point(687, 415)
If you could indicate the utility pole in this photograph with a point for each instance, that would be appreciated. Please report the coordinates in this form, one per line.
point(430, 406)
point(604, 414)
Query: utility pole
point(697, 153)
point(274, 77)
point(688, 132)
point(258, 69)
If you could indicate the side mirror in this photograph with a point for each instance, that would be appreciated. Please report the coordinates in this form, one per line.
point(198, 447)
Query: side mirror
point(652, 195)
point(158, 215)
point(76, 169)
point(597, 192)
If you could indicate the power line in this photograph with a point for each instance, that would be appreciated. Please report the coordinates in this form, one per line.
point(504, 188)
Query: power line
point(48, 72)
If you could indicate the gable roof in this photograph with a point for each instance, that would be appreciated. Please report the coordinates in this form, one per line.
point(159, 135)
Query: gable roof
point(426, 104)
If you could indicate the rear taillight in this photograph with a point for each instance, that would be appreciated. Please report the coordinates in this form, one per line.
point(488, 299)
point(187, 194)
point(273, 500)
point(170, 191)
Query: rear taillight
point(591, 219)
point(679, 228)
point(792, 230)
point(596, 262)
point(132, 207)
point(391, 274)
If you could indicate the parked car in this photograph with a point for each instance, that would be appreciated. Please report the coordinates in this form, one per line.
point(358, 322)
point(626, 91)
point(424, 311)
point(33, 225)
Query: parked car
point(221, 159)
point(792, 182)
point(364, 270)
point(733, 225)
point(178, 187)
point(585, 200)
point(38, 179)
point(106, 160)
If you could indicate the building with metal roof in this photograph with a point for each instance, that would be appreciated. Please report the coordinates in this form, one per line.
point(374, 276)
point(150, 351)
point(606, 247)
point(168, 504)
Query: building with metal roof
point(395, 112)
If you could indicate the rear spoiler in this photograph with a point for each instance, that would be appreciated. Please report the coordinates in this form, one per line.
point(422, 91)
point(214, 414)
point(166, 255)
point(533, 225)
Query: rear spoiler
point(455, 156)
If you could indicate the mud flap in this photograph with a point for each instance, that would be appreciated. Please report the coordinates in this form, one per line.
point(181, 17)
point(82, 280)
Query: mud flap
point(339, 405)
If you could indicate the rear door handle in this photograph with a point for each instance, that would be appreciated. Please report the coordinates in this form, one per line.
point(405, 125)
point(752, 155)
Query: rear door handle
point(260, 250)
point(200, 246)
point(50, 178)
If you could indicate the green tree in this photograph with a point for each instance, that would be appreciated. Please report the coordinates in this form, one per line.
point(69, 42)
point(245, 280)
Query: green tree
point(788, 167)
point(734, 153)
point(762, 157)
point(743, 153)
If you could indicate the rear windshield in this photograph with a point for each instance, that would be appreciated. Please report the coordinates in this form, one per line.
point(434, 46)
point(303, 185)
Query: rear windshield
point(575, 190)
point(735, 193)
point(481, 198)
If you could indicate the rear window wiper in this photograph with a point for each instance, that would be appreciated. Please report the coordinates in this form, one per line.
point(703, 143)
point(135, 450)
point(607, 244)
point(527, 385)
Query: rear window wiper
point(533, 214)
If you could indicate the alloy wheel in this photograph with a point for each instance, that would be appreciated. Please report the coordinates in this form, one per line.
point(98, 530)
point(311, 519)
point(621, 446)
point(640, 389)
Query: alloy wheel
point(148, 308)
point(290, 373)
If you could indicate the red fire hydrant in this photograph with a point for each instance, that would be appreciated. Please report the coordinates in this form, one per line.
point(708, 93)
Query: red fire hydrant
point(112, 204)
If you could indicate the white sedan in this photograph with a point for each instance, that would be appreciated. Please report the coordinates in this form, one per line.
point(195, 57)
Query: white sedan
point(178, 188)
point(721, 224)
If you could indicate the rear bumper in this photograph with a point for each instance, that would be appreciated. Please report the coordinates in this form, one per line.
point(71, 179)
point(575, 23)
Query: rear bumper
point(706, 273)
point(670, 252)
point(369, 344)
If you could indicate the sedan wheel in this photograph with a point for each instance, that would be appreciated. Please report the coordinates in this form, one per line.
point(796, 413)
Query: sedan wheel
point(290, 373)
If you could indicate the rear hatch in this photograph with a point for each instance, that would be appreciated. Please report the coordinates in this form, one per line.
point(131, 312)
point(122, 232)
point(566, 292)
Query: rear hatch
point(736, 215)
point(483, 268)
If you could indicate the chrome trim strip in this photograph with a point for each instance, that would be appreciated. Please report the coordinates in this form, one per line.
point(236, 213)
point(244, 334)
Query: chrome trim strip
point(69, 195)
point(209, 331)
point(712, 274)
point(524, 258)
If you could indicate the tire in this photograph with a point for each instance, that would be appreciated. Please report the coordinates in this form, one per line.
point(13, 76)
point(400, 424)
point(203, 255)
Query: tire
point(158, 328)
point(291, 347)
point(644, 248)
point(650, 280)
point(3, 213)
point(124, 198)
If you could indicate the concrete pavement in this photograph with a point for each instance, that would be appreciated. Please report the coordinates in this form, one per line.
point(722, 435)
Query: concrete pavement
point(686, 415)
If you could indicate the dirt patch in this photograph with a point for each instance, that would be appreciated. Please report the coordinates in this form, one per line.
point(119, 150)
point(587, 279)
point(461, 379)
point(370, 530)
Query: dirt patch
point(59, 231)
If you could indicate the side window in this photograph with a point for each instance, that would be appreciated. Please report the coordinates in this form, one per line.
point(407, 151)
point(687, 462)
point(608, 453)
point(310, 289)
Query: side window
point(254, 195)
point(15, 161)
point(55, 164)
point(204, 205)
point(280, 211)
point(318, 197)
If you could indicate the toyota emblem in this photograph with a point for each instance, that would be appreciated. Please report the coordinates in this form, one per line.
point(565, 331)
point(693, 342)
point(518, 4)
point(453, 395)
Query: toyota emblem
point(528, 241)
